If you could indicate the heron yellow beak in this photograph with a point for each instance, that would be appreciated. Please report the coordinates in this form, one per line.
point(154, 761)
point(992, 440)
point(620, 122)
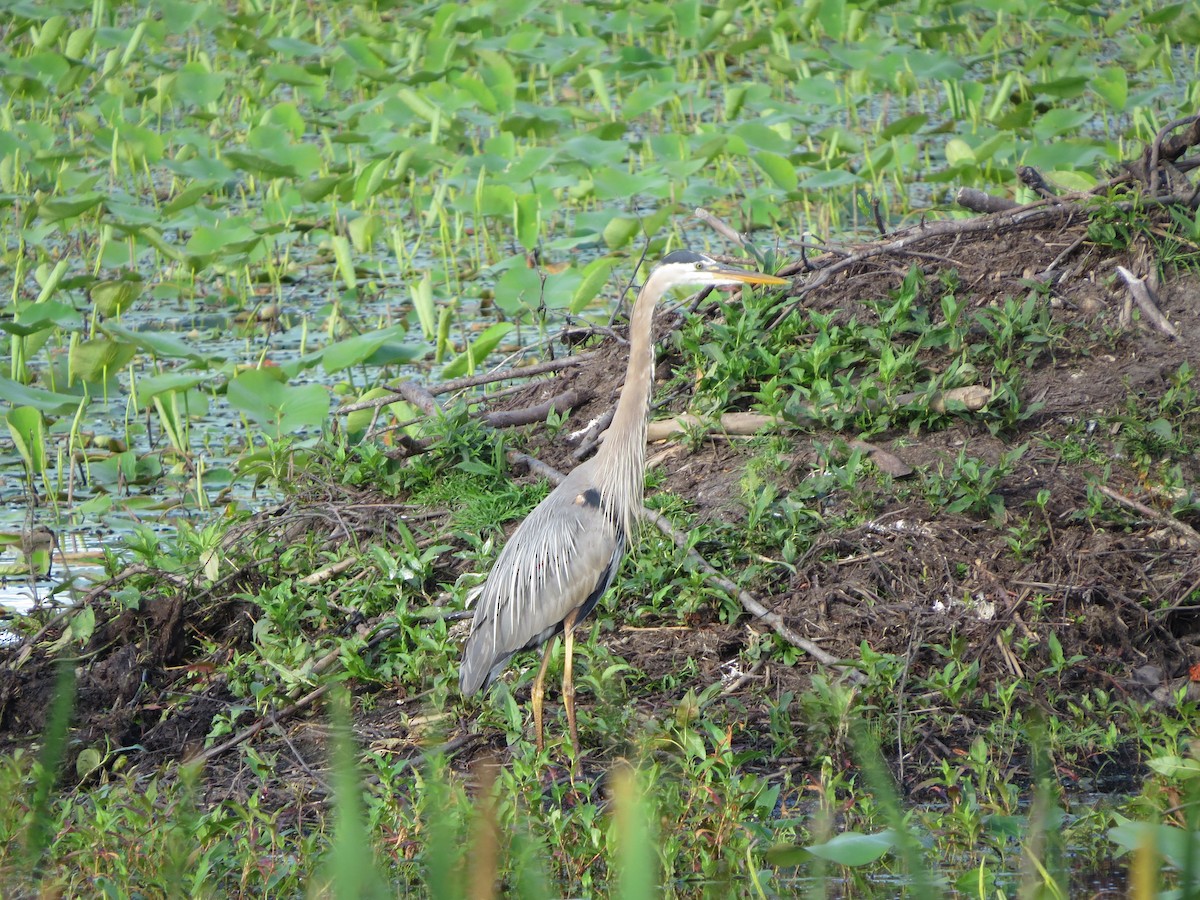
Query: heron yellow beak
point(752, 277)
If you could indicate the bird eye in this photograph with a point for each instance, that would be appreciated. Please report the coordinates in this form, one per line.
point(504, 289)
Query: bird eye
point(699, 265)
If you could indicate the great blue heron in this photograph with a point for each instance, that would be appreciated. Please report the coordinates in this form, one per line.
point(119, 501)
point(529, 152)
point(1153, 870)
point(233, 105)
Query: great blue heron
point(562, 558)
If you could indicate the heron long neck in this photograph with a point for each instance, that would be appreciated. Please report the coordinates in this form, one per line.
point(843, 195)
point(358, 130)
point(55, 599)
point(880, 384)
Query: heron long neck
point(621, 460)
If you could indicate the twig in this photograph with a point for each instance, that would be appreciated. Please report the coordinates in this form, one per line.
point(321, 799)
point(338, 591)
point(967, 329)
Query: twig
point(419, 397)
point(535, 466)
point(739, 423)
point(1142, 295)
point(1173, 149)
point(383, 632)
point(738, 683)
point(620, 304)
point(1190, 536)
point(550, 365)
point(250, 731)
point(721, 228)
point(1071, 248)
point(323, 575)
point(748, 601)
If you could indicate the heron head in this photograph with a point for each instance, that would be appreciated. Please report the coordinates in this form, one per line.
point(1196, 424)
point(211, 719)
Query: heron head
point(687, 268)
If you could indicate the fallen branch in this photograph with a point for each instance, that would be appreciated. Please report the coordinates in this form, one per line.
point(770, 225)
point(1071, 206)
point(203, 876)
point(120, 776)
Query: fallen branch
point(458, 384)
point(266, 722)
point(736, 423)
point(748, 601)
point(1189, 534)
point(381, 633)
point(721, 228)
point(594, 433)
point(550, 365)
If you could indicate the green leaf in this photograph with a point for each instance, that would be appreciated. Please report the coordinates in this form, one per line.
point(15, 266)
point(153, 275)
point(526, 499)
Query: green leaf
point(359, 420)
point(279, 407)
point(196, 85)
point(28, 429)
point(787, 855)
point(1060, 121)
point(527, 220)
point(222, 241)
point(173, 424)
point(82, 624)
point(35, 317)
point(1175, 766)
point(905, 125)
point(355, 350)
point(781, 172)
point(149, 387)
point(478, 351)
point(188, 196)
point(619, 231)
point(58, 208)
point(319, 188)
point(519, 289)
point(87, 762)
point(48, 402)
point(344, 258)
point(853, 849)
point(595, 277)
point(1071, 179)
point(422, 300)
point(111, 297)
point(1112, 84)
point(959, 152)
point(1167, 841)
point(99, 359)
point(160, 344)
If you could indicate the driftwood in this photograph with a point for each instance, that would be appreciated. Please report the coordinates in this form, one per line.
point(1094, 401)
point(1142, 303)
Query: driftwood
point(1143, 295)
point(971, 398)
point(982, 202)
point(559, 403)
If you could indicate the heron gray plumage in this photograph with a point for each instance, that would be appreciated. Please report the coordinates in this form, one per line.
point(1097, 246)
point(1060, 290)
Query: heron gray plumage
point(562, 558)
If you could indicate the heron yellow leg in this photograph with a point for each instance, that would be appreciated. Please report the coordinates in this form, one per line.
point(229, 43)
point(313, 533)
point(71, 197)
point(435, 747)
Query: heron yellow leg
point(568, 679)
point(539, 691)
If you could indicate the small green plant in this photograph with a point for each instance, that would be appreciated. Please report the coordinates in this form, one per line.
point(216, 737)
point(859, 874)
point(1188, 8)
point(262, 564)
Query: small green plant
point(970, 486)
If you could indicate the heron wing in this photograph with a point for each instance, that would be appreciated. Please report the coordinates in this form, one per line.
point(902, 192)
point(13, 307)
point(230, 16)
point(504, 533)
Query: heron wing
point(561, 558)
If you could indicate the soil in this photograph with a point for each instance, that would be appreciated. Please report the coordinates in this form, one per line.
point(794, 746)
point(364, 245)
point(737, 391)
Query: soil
point(1116, 589)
